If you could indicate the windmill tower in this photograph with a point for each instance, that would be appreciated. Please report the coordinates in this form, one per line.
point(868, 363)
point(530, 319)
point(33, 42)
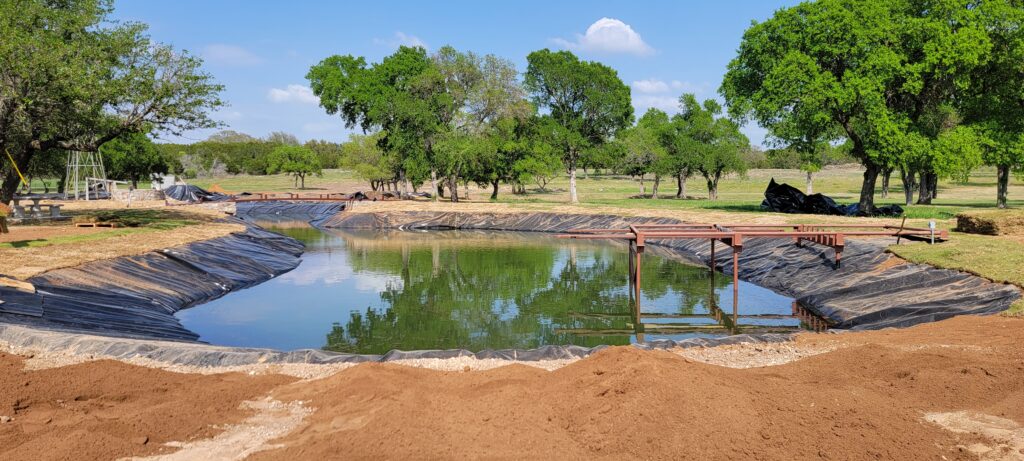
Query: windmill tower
point(84, 170)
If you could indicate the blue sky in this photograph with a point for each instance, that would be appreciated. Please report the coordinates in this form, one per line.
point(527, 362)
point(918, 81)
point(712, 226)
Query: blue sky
point(261, 50)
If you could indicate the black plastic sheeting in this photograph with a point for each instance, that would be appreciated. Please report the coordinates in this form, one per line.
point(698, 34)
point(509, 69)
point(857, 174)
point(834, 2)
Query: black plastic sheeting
point(283, 211)
point(193, 194)
point(137, 296)
point(196, 354)
point(783, 198)
point(867, 292)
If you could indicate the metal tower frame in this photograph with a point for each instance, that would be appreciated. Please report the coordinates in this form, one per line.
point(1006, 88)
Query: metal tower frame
point(83, 167)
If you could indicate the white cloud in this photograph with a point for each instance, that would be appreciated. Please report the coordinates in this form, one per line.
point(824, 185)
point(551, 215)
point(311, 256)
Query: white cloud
point(655, 86)
point(401, 38)
point(668, 104)
point(293, 93)
point(650, 86)
point(608, 35)
point(229, 55)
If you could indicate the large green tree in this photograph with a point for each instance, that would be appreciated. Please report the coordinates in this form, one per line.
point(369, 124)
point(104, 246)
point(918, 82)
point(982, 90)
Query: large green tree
point(994, 100)
point(72, 79)
point(587, 102)
point(403, 97)
point(875, 71)
point(133, 157)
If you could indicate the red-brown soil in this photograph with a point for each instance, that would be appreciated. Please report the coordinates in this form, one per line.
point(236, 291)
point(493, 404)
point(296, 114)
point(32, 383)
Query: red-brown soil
point(108, 409)
point(865, 400)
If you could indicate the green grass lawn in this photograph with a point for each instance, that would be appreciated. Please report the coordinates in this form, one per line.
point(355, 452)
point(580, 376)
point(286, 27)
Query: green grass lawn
point(996, 258)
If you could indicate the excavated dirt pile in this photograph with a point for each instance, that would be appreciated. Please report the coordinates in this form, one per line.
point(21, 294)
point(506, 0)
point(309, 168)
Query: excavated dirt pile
point(864, 401)
point(108, 410)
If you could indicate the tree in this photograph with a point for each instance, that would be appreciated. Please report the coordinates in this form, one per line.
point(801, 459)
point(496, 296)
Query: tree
point(362, 153)
point(133, 156)
point(297, 161)
point(283, 138)
point(873, 70)
point(483, 91)
point(642, 148)
point(403, 97)
point(587, 102)
point(994, 101)
point(329, 153)
point(82, 80)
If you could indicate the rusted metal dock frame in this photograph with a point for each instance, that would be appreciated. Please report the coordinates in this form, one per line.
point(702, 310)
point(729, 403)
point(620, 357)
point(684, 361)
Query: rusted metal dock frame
point(734, 235)
point(290, 197)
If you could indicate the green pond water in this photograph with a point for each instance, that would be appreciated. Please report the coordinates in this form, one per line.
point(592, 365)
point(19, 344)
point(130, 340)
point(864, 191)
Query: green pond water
point(371, 292)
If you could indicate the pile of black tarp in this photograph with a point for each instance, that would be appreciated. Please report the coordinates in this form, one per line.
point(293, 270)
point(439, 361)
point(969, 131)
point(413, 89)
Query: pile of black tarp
point(193, 194)
point(783, 198)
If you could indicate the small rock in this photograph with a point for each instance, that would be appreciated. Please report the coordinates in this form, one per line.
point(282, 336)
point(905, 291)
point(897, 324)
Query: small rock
point(140, 440)
point(5, 419)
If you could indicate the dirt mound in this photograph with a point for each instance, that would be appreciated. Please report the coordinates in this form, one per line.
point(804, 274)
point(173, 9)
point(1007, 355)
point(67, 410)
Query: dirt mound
point(862, 402)
point(991, 222)
point(108, 410)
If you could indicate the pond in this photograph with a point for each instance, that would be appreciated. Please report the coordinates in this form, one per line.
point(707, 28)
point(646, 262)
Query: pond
point(370, 292)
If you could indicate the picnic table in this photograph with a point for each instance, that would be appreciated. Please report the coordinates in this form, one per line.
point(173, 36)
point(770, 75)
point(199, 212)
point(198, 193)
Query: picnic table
point(35, 210)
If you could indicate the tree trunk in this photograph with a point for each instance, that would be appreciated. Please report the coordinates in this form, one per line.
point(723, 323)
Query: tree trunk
point(573, 198)
point(925, 193)
point(433, 185)
point(681, 185)
point(494, 190)
point(867, 190)
point(302, 179)
point(9, 187)
point(453, 188)
point(467, 190)
point(1002, 184)
point(886, 174)
point(810, 182)
point(654, 189)
point(908, 185)
point(643, 190)
point(712, 187)
point(935, 185)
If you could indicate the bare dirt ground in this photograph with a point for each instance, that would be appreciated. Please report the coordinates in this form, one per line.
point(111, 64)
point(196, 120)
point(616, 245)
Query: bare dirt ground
point(948, 390)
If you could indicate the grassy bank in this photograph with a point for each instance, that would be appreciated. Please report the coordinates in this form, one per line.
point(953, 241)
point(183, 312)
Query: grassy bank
point(998, 258)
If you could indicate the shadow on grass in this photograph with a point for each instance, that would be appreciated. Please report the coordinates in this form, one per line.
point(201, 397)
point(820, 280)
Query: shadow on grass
point(21, 243)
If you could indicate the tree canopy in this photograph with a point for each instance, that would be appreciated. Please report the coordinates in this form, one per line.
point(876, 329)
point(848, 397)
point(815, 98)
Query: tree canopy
point(83, 80)
point(133, 157)
point(586, 101)
point(298, 161)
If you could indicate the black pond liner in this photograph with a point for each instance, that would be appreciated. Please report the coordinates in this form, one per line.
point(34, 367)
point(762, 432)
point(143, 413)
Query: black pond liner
point(124, 307)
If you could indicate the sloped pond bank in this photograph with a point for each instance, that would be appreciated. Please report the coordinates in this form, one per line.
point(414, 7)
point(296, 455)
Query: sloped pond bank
point(120, 308)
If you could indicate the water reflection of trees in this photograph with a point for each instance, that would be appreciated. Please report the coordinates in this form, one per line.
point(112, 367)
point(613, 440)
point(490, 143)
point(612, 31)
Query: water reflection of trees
point(477, 291)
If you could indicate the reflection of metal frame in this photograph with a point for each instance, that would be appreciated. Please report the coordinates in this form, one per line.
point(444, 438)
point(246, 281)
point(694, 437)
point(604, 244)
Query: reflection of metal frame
point(732, 235)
